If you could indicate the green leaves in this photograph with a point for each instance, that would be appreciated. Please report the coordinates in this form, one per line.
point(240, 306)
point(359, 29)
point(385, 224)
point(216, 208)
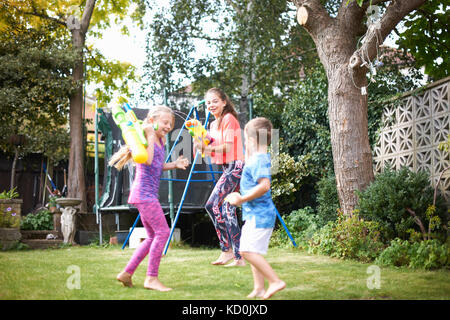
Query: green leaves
point(389, 197)
point(348, 238)
point(427, 36)
point(41, 220)
point(112, 77)
point(35, 85)
point(429, 254)
point(241, 48)
point(305, 128)
point(11, 194)
point(359, 2)
point(288, 179)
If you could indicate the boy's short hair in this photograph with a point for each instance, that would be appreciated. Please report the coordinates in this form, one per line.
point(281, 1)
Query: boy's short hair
point(261, 128)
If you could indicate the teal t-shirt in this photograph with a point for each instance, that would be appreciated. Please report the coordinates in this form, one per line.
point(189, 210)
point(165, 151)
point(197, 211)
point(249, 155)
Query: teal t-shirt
point(263, 208)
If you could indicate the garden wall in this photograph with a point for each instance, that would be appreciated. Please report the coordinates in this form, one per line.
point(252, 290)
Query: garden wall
point(413, 130)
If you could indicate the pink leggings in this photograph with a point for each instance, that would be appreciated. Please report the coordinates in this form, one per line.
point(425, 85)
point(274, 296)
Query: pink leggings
point(158, 231)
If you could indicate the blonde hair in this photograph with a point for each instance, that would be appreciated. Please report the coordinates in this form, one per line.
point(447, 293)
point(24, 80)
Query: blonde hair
point(123, 155)
point(261, 129)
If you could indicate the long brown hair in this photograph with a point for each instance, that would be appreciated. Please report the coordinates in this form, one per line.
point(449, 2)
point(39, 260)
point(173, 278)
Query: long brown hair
point(229, 106)
point(123, 155)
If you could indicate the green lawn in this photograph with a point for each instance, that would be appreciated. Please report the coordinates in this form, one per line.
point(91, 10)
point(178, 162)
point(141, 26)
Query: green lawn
point(49, 274)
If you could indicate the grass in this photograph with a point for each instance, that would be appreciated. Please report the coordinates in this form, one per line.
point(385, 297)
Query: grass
point(45, 274)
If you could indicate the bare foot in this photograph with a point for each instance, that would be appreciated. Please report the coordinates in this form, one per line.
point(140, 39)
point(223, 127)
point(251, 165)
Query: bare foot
point(237, 263)
point(274, 288)
point(125, 278)
point(224, 258)
point(256, 293)
point(153, 283)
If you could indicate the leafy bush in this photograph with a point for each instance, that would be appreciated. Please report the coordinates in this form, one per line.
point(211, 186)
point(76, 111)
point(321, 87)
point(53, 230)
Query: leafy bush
point(302, 225)
point(327, 199)
point(287, 178)
point(348, 238)
point(305, 122)
point(427, 254)
point(390, 199)
point(41, 220)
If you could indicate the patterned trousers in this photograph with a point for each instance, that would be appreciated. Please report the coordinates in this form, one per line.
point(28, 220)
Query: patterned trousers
point(223, 215)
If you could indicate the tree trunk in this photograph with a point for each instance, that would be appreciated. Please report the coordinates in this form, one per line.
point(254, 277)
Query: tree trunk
point(336, 39)
point(13, 169)
point(76, 185)
point(243, 102)
point(347, 112)
point(352, 155)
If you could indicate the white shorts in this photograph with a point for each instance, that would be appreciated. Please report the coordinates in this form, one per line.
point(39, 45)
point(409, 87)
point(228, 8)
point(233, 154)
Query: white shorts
point(254, 239)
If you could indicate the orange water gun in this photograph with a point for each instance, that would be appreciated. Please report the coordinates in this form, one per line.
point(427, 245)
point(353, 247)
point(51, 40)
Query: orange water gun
point(197, 131)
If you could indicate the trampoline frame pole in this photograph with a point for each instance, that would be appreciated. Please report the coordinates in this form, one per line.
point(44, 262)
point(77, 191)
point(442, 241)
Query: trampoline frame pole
point(181, 204)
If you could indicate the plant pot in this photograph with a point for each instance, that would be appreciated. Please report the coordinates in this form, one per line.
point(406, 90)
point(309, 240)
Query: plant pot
point(10, 212)
point(9, 237)
point(113, 240)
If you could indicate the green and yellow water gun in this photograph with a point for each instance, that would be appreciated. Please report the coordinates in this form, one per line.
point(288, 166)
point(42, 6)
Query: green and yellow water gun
point(132, 131)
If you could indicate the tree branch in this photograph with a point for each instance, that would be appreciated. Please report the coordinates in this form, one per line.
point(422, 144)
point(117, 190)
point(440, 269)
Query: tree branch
point(418, 222)
point(437, 185)
point(93, 58)
point(351, 18)
point(395, 12)
point(368, 3)
point(87, 14)
point(235, 6)
point(40, 15)
point(206, 38)
point(318, 17)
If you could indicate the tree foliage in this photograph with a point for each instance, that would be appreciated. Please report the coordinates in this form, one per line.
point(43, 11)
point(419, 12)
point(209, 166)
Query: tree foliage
point(427, 38)
point(77, 20)
point(248, 46)
point(35, 83)
point(108, 77)
point(305, 119)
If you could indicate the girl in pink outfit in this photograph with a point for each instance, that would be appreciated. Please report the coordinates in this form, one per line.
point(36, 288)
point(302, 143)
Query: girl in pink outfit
point(144, 196)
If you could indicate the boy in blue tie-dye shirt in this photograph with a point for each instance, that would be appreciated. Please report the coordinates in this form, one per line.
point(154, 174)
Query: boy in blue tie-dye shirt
point(258, 210)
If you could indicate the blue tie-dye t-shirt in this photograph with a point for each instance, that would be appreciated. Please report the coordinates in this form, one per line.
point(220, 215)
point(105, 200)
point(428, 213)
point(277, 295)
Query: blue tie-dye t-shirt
point(262, 208)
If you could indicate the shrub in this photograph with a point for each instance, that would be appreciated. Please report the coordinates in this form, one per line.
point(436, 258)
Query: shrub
point(327, 199)
point(348, 238)
point(305, 122)
point(288, 178)
point(41, 220)
point(427, 254)
point(302, 225)
point(392, 197)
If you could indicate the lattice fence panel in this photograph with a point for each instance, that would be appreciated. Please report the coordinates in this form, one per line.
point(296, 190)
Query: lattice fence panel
point(413, 132)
